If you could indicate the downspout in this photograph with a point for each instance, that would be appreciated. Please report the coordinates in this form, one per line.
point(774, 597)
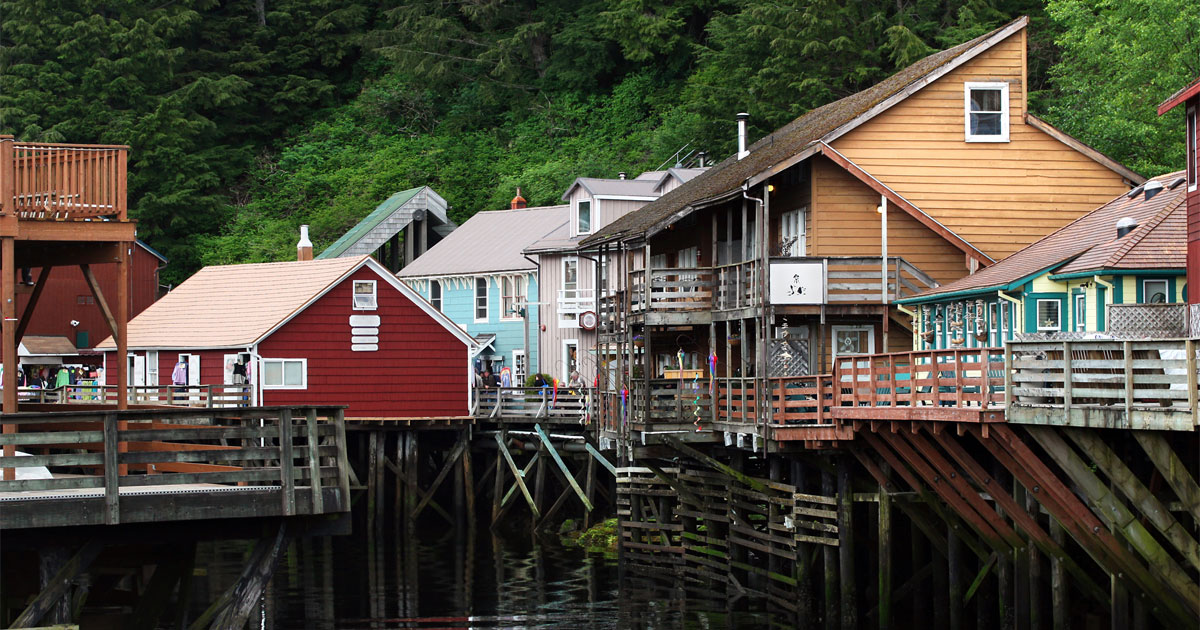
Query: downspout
point(1108, 294)
point(762, 291)
point(1018, 311)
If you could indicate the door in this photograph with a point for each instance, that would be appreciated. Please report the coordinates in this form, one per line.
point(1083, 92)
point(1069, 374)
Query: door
point(137, 370)
point(193, 369)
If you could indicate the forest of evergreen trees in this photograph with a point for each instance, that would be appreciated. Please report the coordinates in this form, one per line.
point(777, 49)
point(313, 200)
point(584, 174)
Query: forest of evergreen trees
point(247, 118)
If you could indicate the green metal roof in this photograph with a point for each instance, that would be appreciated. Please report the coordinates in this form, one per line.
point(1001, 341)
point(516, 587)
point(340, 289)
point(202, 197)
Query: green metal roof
point(381, 212)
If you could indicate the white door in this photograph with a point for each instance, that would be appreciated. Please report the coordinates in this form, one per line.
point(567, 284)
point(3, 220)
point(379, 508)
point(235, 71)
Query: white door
point(152, 368)
point(193, 368)
point(137, 370)
point(229, 361)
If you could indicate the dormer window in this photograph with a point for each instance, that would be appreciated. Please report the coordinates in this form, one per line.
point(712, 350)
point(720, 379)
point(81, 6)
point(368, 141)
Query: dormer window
point(583, 217)
point(364, 295)
point(986, 112)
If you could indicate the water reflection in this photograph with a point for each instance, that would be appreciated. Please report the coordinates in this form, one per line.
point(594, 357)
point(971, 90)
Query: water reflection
point(436, 578)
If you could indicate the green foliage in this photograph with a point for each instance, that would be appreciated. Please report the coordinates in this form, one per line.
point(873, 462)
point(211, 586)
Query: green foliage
point(1120, 58)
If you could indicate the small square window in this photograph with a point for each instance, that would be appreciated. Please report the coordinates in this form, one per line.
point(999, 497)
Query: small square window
point(1049, 314)
point(1155, 292)
point(986, 112)
point(285, 373)
point(364, 295)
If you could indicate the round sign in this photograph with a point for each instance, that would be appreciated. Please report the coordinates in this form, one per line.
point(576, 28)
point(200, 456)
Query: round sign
point(587, 320)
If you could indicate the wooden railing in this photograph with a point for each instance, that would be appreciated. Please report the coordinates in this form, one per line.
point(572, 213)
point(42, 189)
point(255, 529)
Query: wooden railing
point(675, 290)
point(293, 451)
point(1113, 384)
point(737, 286)
point(737, 400)
point(671, 400)
point(802, 400)
point(567, 405)
point(611, 313)
point(64, 181)
point(971, 377)
point(170, 395)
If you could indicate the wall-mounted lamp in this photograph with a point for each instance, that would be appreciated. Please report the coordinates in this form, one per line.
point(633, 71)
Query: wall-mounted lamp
point(770, 187)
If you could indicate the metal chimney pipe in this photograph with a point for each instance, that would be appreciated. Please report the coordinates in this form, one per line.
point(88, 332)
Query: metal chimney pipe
point(304, 249)
point(741, 125)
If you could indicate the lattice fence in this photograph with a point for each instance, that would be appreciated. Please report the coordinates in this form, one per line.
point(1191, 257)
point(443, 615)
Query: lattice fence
point(788, 357)
point(1148, 321)
point(1194, 323)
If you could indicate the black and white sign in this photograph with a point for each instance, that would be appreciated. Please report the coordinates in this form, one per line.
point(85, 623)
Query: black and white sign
point(797, 283)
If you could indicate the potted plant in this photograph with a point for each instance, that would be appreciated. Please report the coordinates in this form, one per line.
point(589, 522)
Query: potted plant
point(734, 340)
point(639, 341)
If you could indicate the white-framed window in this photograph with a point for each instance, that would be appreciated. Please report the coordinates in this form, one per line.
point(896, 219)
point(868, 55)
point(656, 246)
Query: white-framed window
point(1155, 292)
point(570, 358)
point(285, 373)
point(986, 112)
point(570, 290)
point(435, 294)
point(512, 295)
point(1081, 312)
point(852, 340)
point(1049, 315)
point(994, 338)
point(583, 216)
point(1193, 154)
point(518, 368)
point(481, 299)
point(793, 238)
point(152, 367)
point(364, 295)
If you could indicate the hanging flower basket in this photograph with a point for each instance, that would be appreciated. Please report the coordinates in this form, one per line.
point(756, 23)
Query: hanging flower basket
point(639, 342)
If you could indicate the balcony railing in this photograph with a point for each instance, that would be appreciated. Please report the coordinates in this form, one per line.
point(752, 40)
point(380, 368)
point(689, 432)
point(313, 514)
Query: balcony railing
point(576, 301)
point(566, 405)
point(1110, 384)
point(671, 400)
point(964, 378)
point(64, 181)
point(684, 289)
point(611, 313)
point(168, 395)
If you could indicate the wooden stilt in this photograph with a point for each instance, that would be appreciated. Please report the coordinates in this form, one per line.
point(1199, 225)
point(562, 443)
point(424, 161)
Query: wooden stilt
point(448, 466)
point(51, 559)
point(55, 588)
point(589, 485)
point(954, 579)
point(372, 476)
point(1034, 564)
point(1004, 591)
point(469, 488)
point(919, 557)
point(232, 609)
point(499, 476)
point(1058, 581)
point(8, 340)
point(884, 594)
point(845, 520)
point(153, 601)
point(517, 476)
point(412, 445)
point(547, 445)
point(829, 564)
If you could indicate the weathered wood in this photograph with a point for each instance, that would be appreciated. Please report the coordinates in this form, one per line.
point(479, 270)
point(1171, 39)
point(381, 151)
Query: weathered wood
point(884, 592)
point(287, 464)
point(849, 587)
point(562, 466)
point(600, 458)
point(314, 461)
point(232, 609)
point(512, 465)
point(112, 489)
point(954, 579)
point(451, 459)
point(372, 476)
point(154, 600)
point(1058, 581)
point(1173, 470)
point(680, 446)
point(58, 585)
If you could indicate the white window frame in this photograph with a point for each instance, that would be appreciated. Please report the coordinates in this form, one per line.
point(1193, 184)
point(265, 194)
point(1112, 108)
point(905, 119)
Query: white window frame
point(575, 217)
point(569, 320)
point(436, 301)
point(152, 367)
point(476, 299)
point(1038, 314)
point(511, 312)
point(833, 346)
point(1166, 291)
point(366, 304)
point(519, 372)
point(1080, 312)
point(1004, 111)
point(282, 371)
point(1192, 122)
point(794, 223)
point(994, 324)
point(566, 343)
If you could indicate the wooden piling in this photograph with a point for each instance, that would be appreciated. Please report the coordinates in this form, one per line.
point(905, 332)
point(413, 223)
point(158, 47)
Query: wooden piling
point(829, 564)
point(845, 520)
point(372, 475)
point(884, 592)
point(954, 578)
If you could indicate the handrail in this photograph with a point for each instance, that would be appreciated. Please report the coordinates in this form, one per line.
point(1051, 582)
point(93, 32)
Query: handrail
point(223, 395)
point(53, 181)
point(965, 377)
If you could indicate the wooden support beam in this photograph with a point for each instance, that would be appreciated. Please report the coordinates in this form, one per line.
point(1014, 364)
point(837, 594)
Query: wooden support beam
point(56, 589)
point(600, 458)
point(402, 479)
point(232, 609)
point(459, 448)
point(27, 316)
point(512, 489)
point(517, 475)
point(558, 503)
point(1126, 480)
point(1173, 470)
point(8, 339)
point(562, 466)
point(683, 448)
point(884, 589)
point(153, 602)
point(845, 520)
point(101, 303)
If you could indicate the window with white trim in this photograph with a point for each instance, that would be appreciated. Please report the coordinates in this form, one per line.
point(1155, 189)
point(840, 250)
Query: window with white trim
point(435, 294)
point(1155, 292)
point(583, 217)
point(1049, 315)
point(1081, 312)
point(986, 115)
point(364, 295)
point(1193, 155)
point(849, 341)
point(285, 373)
point(993, 325)
point(518, 368)
point(570, 290)
point(481, 300)
point(512, 296)
point(793, 239)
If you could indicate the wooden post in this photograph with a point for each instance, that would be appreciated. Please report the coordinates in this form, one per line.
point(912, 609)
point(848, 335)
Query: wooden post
point(1036, 620)
point(56, 587)
point(314, 462)
point(885, 559)
point(1189, 350)
point(498, 489)
point(1067, 381)
point(8, 347)
point(954, 578)
point(829, 561)
point(1058, 580)
point(412, 468)
point(112, 486)
point(517, 476)
point(1128, 353)
point(372, 475)
point(846, 545)
point(287, 465)
point(343, 458)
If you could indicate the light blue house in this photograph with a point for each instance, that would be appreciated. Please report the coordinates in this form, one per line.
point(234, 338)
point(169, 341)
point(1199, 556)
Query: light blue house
point(478, 276)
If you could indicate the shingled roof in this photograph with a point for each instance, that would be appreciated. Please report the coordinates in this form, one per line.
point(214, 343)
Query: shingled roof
point(1090, 244)
point(489, 242)
point(804, 133)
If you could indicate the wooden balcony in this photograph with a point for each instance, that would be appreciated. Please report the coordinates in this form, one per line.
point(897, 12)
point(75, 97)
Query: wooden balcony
point(142, 395)
point(535, 404)
point(962, 385)
point(96, 466)
point(1104, 384)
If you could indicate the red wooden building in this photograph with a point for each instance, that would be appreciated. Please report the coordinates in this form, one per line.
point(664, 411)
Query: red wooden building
point(67, 307)
point(1189, 97)
point(318, 332)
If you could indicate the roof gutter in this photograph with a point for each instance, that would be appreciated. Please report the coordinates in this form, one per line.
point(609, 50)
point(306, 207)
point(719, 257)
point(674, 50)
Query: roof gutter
point(1118, 272)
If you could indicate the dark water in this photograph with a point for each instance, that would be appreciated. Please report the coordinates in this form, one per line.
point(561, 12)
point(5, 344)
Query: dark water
point(440, 579)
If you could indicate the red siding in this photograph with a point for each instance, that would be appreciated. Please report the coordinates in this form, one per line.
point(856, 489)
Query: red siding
point(1193, 203)
point(212, 369)
point(420, 369)
point(59, 302)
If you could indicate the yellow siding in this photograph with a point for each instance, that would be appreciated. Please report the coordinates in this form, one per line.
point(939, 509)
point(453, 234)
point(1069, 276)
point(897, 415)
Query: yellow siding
point(844, 222)
point(998, 196)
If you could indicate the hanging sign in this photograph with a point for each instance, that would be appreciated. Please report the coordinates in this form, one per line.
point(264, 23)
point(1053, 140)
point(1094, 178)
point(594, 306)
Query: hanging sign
point(797, 283)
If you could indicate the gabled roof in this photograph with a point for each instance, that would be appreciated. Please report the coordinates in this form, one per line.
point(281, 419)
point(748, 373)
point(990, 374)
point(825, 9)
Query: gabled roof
point(598, 187)
point(1184, 93)
point(236, 306)
point(46, 346)
point(388, 219)
point(152, 251)
point(1090, 243)
point(489, 242)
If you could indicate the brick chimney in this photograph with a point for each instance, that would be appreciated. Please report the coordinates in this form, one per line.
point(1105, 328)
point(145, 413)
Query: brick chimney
point(304, 247)
point(517, 202)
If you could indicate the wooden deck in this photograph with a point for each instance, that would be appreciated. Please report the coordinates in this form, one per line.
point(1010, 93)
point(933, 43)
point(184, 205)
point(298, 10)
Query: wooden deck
point(535, 404)
point(168, 395)
point(154, 465)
